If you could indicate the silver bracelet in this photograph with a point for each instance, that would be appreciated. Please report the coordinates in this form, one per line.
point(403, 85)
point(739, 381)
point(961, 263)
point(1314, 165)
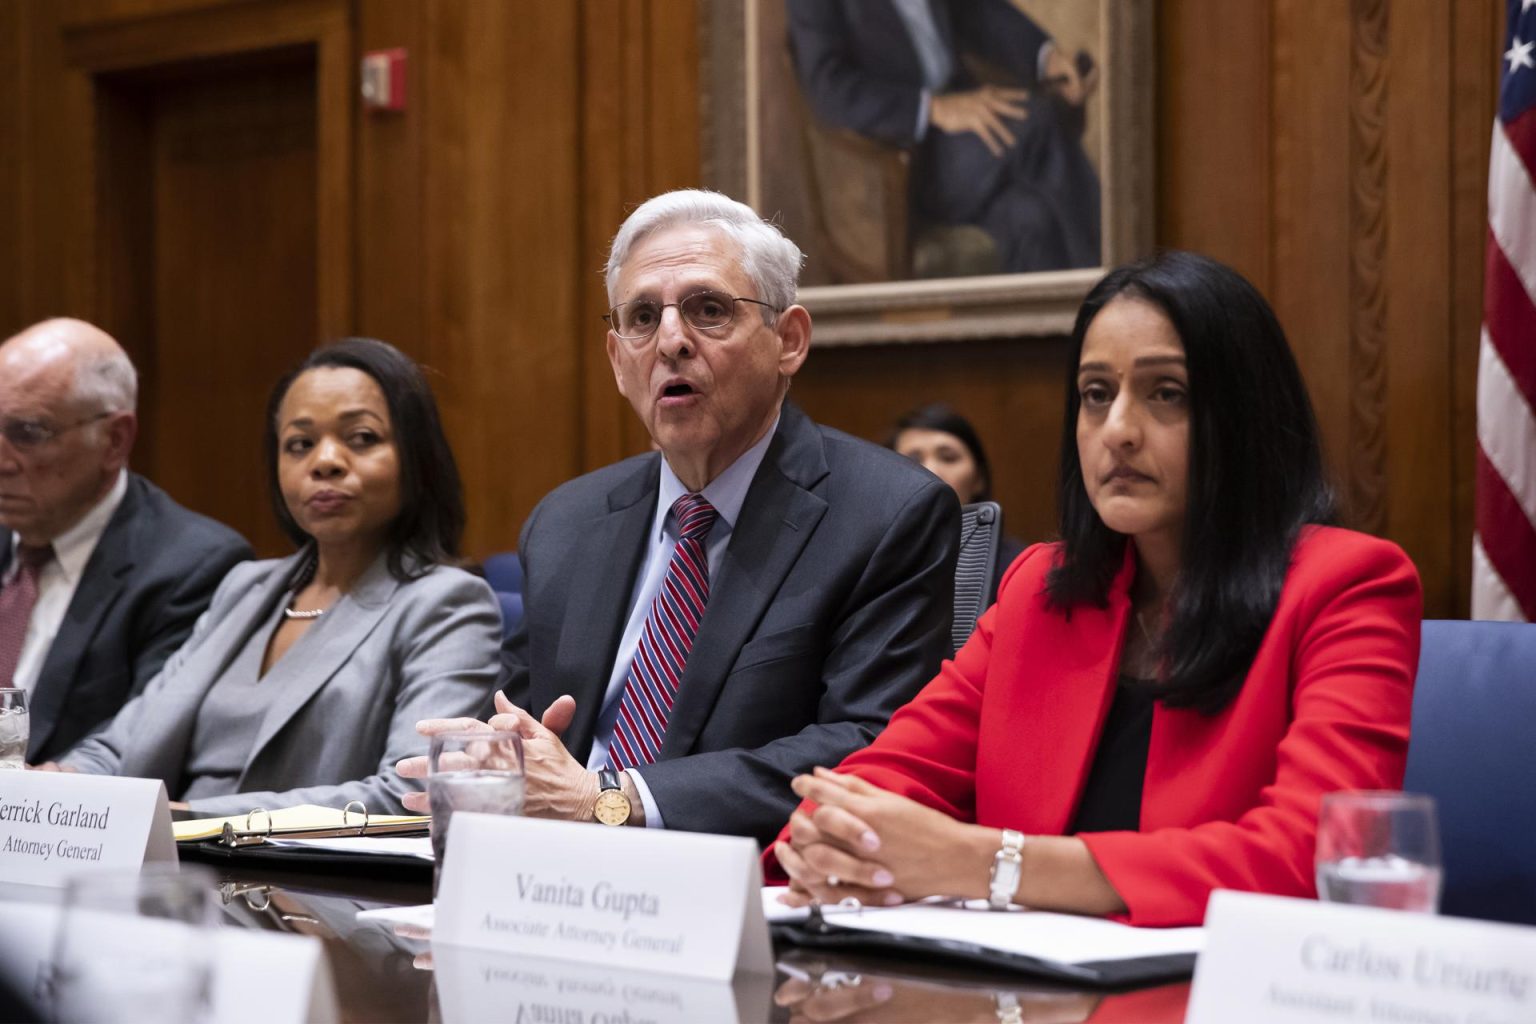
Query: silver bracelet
point(1007, 869)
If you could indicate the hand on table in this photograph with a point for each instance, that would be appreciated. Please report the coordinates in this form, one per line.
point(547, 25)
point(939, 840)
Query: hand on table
point(558, 786)
point(52, 766)
point(876, 847)
point(557, 718)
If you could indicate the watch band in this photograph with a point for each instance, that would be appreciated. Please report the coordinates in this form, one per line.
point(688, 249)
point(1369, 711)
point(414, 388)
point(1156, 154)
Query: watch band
point(607, 778)
point(1007, 869)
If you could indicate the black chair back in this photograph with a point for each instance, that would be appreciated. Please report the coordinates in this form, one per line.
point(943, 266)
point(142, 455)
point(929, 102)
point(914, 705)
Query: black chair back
point(981, 531)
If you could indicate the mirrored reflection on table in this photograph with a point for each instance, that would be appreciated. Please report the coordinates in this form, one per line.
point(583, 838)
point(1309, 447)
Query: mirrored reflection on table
point(391, 972)
point(374, 968)
point(812, 986)
point(473, 986)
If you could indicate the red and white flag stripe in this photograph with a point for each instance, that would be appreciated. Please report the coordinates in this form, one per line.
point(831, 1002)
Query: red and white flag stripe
point(1504, 544)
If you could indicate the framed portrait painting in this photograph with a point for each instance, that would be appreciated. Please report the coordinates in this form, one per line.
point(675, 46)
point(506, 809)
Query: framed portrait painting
point(952, 168)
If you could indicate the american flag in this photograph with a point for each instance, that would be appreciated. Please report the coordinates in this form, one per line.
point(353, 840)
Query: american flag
point(1504, 544)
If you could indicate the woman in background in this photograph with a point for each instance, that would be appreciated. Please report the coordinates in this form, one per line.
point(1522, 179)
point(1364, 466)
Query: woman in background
point(1158, 701)
point(943, 442)
point(303, 681)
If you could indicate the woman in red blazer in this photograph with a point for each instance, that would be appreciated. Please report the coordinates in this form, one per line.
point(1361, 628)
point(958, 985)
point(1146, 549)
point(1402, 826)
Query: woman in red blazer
point(1157, 702)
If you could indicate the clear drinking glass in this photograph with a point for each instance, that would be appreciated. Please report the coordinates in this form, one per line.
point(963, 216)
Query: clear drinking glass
point(1379, 848)
point(135, 946)
point(14, 727)
point(471, 771)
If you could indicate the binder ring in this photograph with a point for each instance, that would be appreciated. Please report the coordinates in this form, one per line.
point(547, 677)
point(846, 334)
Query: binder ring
point(252, 828)
point(346, 816)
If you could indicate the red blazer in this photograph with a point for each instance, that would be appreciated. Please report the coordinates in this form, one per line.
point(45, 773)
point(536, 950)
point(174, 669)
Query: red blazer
point(1005, 735)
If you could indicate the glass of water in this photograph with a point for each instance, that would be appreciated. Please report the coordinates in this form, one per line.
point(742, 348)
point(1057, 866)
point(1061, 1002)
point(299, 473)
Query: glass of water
point(471, 771)
point(14, 727)
point(134, 946)
point(1379, 849)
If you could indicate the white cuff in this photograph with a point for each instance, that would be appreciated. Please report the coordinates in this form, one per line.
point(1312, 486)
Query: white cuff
point(652, 812)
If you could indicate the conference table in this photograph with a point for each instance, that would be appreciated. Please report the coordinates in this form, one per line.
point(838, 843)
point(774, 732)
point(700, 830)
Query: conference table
point(386, 974)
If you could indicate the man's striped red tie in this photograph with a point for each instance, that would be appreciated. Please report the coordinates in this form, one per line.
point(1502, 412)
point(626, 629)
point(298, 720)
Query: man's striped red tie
point(665, 641)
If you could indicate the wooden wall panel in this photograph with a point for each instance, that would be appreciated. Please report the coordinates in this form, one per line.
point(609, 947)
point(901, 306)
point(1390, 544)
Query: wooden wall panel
point(1417, 489)
point(226, 152)
point(1012, 391)
point(1215, 145)
point(13, 147)
point(1477, 35)
point(390, 293)
point(1333, 151)
point(502, 251)
point(1310, 212)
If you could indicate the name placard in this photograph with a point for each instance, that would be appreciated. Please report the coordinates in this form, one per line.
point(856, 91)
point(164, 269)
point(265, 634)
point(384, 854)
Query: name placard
point(640, 899)
point(57, 824)
point(1268, 958)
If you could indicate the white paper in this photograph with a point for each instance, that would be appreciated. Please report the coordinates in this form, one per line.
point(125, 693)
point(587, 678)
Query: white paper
point(639, 899)
point(413, 846)
point(258, 977)
point(1062, 938)
point(1269, 958)
point(414, 917)
point(775, 911)
point(57, 824)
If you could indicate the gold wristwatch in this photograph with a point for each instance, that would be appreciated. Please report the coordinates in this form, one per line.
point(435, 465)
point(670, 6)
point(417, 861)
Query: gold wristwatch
point(613, 807)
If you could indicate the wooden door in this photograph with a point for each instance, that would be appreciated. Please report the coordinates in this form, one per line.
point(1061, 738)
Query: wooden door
point(214, 169)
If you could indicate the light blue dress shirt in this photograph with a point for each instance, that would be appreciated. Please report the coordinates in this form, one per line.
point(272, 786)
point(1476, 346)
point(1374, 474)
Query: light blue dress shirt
point(726, 492)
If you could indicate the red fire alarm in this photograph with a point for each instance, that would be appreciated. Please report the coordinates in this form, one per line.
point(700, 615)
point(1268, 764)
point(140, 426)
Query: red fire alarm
point(384, 79)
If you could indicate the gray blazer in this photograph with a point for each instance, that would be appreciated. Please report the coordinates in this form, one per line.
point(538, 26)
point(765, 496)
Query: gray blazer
point(394, 653)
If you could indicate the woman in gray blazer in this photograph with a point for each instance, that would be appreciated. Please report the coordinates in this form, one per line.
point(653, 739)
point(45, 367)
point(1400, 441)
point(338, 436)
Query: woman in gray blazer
point(304, 680)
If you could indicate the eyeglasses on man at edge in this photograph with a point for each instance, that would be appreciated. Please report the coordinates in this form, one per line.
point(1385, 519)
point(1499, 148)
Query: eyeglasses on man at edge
point(30, 435)
point(704, 311)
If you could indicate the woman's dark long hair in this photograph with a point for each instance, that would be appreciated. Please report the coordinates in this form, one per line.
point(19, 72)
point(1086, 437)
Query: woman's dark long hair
point(942, 417)
point(1255, 475)
point(430, 525)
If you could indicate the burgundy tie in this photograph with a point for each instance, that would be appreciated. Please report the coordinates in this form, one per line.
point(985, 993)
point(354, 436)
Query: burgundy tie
point(665, 641)
point(16, 601)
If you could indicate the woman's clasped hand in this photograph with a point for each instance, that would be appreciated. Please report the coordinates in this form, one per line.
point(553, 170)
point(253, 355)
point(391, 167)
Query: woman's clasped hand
point(861, 842)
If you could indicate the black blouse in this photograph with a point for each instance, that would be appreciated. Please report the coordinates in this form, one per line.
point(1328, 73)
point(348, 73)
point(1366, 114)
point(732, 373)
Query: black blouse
point(1112, 796)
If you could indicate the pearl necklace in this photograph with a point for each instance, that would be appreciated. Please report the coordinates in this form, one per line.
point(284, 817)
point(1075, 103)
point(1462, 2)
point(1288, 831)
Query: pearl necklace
point(289, 613)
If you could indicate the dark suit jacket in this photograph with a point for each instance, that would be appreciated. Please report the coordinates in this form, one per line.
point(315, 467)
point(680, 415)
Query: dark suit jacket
point(831, 606)
point(152, 574)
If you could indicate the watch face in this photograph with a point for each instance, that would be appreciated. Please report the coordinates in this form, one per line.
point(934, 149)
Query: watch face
point(612, 807)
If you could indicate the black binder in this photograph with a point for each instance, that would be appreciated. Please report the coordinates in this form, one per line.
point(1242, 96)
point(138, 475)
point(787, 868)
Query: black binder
point(818, 933)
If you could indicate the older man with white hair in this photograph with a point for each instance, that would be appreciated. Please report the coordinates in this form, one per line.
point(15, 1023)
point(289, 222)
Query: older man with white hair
point(704, 622)
point(101, 574)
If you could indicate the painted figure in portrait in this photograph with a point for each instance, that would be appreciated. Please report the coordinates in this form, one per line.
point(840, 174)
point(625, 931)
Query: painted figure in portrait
point(933, 138)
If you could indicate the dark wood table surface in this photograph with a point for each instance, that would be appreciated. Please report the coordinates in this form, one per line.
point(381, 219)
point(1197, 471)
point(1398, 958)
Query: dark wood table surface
point(384, 976)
